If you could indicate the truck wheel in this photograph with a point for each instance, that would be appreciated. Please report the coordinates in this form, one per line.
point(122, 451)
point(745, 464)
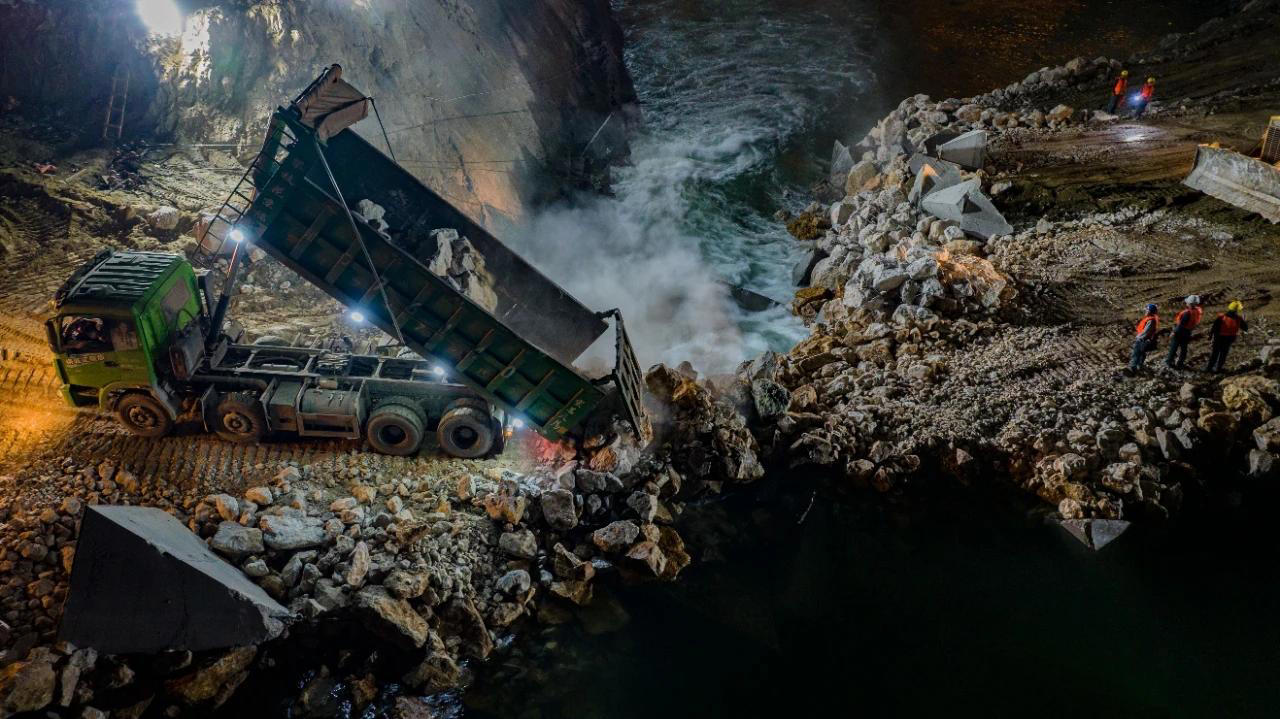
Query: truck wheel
point(466, 432)
point(142, 415)
point(395, 429)
point(238, 417)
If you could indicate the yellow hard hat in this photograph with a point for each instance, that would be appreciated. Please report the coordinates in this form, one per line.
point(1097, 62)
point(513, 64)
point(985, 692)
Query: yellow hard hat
point(1124, 73)
point(1235, 306)
point(1151, 79)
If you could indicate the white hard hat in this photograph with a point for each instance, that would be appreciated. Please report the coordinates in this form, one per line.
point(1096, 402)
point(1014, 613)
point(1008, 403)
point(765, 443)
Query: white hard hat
point(1193, 299)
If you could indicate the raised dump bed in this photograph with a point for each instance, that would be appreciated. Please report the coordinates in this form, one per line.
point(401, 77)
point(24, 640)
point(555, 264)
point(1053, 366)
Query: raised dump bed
point(297, 204)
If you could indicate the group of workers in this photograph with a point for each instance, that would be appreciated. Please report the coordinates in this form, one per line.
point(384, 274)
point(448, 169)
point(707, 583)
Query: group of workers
point(1139, 101)
point(1222, 334)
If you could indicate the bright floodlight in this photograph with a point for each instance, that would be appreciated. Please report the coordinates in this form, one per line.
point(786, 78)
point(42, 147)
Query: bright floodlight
point(162, 17)
point(236, 235)
point(357, 316)
point(439, 371)
point(517, 423)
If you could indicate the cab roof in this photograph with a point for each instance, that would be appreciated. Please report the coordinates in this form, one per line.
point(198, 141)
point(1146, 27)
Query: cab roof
point(116, 278)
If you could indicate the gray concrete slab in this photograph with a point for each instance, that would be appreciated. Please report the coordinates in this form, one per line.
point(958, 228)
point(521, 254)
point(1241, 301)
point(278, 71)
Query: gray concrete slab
point(142, 582)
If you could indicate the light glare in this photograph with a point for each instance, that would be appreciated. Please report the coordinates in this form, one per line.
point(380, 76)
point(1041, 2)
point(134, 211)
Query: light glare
point(162, 17)
point(235, 236)
point(357, 316)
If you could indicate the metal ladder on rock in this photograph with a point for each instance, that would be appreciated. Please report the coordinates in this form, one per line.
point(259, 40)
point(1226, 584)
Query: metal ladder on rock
point(113, 127)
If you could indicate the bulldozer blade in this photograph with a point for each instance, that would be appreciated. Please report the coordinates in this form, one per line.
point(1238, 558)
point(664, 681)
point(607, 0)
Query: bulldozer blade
point(1238, 180)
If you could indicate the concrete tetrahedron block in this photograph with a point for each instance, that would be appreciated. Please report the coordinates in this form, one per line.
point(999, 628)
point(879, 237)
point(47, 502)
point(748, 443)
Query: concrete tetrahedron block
point(968, 150)
point(964, 203)
point(981, 218)
point(948, 203)
point(932, 175)
point(1095, 533)
point(142, 582)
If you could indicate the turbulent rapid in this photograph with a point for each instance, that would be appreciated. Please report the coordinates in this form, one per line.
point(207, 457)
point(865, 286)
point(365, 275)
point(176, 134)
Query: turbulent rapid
point(736, 103)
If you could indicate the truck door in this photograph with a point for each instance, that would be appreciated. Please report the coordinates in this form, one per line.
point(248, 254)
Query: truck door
point(102, 350)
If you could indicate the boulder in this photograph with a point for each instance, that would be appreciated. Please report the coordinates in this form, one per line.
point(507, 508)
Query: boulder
point(650, 555)
point(437, 673)
point(615, 536)
point(859, 176)
point(212, 681)
point(887, 278)
point(164, 219)
point(520, 544)
point(514, 583)
point(559, 509)
point(236, 540)
point(29, 686)
point(771, 399)
point(391, 618)
point(291, 533)
point(1267, 436)
point(360, 562)
point(260, 496)
point(407, 585)
point(1060, 114)
point(1262, 465)
point(645, 505)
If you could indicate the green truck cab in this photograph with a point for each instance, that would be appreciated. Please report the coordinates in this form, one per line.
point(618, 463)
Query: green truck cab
point(111, 335)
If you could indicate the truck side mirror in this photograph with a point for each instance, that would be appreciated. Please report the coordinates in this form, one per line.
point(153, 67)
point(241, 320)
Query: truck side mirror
point(51, 334)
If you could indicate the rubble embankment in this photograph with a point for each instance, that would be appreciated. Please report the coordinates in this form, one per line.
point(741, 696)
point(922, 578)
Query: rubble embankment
point(941, 355)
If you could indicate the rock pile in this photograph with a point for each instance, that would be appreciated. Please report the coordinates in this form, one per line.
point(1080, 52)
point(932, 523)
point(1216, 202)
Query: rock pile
point(440, 567)
point(456, 260)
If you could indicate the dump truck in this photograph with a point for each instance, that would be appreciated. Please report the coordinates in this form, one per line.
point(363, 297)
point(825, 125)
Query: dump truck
point(141, 334)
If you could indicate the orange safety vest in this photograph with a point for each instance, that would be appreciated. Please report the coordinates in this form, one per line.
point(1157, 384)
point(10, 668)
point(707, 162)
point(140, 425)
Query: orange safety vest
point(1142, 324)
point(1121, 85)
point(1147, 91)
point(1230, 326)
point(1196, 314)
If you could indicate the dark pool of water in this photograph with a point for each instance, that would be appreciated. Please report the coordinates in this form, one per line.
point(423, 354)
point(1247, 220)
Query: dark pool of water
point(952, 609)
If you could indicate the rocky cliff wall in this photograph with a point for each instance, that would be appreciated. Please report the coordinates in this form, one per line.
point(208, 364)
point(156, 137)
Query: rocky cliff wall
point(490, 102)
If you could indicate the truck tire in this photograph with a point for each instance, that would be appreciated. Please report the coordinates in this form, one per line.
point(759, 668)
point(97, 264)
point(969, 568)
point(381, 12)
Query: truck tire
point(466, 432)
point(143, 415)
point(238, 417)
point(395, 429)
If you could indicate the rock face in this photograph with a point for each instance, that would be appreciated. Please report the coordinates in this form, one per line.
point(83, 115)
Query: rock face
point(548, 76)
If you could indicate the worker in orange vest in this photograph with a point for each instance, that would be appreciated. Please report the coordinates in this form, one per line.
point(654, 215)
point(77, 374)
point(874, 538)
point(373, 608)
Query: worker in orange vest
point(1144, 97)
point(1183, 324)
point(1225, 329)
point(1144, 338)
point(1117, 92)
